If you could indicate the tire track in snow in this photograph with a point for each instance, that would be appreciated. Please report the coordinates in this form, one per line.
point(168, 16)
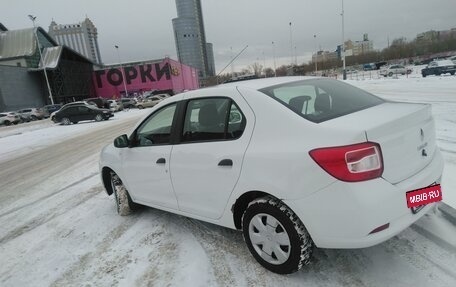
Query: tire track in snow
point(49, 215)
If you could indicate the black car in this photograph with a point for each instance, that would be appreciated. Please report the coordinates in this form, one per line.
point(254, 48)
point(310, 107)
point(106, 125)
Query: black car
point(439, 67)
point(81, 112)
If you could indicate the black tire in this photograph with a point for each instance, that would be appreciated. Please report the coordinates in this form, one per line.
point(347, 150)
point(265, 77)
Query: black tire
point(390, 74)
point(140, 107)
point(6, 123)
point(424, 75)
point(98, 118)
point(299, 245)
point(124, 204)
point(452, 73)
point(75, 122)
point(65, 121)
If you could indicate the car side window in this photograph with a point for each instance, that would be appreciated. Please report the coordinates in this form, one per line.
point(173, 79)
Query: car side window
point(157, 128)
point(71, 110)
point(236, 122)
point(212, 119)
point(83, 109)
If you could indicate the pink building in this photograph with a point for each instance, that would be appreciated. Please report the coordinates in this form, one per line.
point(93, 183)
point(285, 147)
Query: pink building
point(164, 75)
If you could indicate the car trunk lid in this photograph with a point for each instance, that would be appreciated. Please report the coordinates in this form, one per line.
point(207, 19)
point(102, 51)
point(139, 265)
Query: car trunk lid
point(405, 132)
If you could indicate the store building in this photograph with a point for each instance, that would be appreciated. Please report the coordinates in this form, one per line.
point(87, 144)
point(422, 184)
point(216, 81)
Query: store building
point(163, 75)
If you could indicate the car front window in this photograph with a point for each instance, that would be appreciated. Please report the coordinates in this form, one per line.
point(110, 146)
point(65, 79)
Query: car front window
point(157, 128)
point(212, 119)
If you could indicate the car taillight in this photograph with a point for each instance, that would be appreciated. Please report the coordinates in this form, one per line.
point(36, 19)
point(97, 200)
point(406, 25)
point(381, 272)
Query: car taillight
point(350, 163)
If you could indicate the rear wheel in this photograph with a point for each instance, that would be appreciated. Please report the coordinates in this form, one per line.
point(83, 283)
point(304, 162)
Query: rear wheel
point(7, 123)
point(275, 236)
point(140, 107)
point(34, 118)
point(99, 118)
point(75, 122)
point(124, 204)
point(66, 121)
point(390, 74)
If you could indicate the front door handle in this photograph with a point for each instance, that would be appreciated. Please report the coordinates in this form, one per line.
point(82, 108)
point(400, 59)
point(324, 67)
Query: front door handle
point(161, 161)
point(225, 162)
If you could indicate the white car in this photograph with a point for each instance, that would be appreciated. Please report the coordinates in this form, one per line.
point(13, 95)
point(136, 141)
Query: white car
point(148, 102)
point(8, 118)
point(292, 162)
point(389, 71)
point(115, 106)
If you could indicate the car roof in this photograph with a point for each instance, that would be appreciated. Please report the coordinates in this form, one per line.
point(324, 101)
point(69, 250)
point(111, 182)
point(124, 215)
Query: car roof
point(444, 62)
point(259, 84)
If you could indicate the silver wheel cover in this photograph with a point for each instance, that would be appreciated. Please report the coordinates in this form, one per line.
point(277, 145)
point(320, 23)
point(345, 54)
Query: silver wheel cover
point(269, 238)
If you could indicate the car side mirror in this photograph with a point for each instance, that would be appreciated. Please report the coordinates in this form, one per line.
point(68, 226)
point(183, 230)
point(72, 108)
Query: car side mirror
point(121, 141)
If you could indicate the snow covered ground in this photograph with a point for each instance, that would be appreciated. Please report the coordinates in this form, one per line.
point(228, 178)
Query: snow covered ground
point(59, 228)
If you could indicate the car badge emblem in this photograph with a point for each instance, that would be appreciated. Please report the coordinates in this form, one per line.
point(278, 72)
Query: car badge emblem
point(422, 135)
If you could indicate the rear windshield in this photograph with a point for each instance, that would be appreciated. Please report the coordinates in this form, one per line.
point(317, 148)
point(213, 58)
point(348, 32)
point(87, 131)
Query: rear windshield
point(319, 100)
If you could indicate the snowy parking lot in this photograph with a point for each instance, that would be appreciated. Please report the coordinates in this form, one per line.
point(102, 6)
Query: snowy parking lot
point(59, 228)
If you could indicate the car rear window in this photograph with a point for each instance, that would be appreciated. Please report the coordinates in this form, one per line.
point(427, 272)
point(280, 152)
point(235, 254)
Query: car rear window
point(319, 100)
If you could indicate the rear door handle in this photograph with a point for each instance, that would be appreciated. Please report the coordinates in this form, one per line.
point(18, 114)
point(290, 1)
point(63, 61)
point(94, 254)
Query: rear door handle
point(225, 162)
point(161, 161)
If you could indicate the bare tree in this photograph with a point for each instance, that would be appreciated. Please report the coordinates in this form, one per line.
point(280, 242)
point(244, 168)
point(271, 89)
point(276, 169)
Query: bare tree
point(257, 68)
point(268, 72)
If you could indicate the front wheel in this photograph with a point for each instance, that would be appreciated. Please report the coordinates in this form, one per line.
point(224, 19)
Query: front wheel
point(124, 204)
point(99, 118)
point(275, 236)
point(66, 121)
point(390, 74)
point(140, 107)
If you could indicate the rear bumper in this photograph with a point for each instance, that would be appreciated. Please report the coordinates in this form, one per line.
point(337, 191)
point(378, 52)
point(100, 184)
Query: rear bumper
point(343, 214)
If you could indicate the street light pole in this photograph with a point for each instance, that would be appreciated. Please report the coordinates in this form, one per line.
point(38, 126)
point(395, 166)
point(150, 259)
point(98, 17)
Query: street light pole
point(273, 56)
point(291, 46)
point(316, 54)
point(33, 18)
point(343, 43)
point(122, 70)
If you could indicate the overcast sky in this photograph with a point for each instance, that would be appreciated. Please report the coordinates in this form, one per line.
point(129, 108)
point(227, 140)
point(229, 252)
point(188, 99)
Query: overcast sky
point(143, 28)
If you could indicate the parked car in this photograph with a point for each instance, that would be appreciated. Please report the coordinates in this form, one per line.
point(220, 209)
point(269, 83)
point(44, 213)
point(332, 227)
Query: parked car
point(149, 102)
point(128, 102)
point(163, 96)
point(81, 112)
point(24, 117)
point(439, 67)
point(291, 161)
point(391, 70)
point(8, 118)
point(115, 106)
point(32, 113)
point(52, 115)
point(102, 103)
point(49, 109)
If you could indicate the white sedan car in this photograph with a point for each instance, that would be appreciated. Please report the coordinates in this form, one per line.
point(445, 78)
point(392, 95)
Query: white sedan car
point(292, 162)
point(394, 70)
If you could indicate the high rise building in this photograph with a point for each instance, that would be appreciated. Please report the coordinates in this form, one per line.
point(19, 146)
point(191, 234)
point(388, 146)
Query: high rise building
point(190, 38)
point(81, 37)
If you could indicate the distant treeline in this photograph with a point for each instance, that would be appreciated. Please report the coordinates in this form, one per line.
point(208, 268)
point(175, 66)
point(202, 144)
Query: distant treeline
point(415, 51)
